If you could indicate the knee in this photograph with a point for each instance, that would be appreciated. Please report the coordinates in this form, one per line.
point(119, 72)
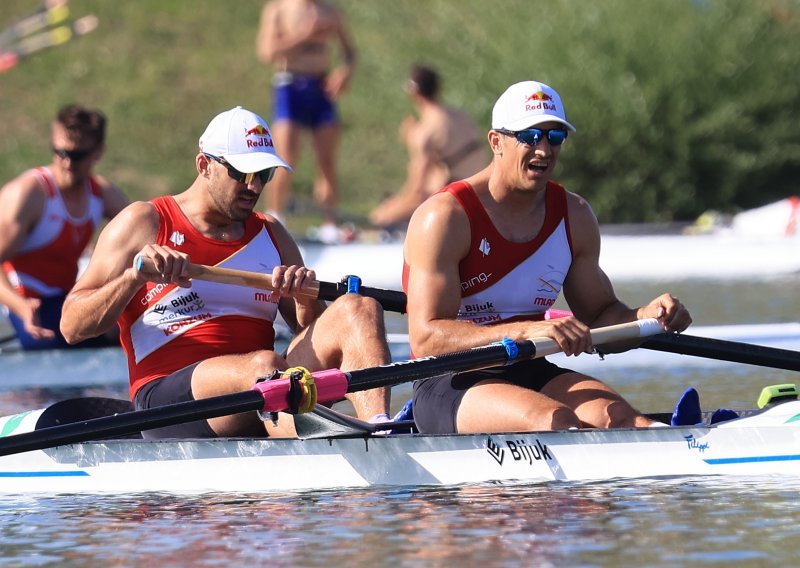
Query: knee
point(263, 363)
point(556, 417)
point(355, 310)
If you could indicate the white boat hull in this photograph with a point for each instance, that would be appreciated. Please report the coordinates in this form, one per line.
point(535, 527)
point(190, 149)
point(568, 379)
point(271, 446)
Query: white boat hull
point(764, 444)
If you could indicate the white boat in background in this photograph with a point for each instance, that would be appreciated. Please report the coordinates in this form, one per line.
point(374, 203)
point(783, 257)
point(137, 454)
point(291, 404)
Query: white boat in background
point(724, 255)
point(763, 444)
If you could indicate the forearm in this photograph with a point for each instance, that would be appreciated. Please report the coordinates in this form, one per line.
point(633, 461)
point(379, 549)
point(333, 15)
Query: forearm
point(446, 335)
point(306, 314)
point(370, 403)
point(91, 312)
point(9, 296)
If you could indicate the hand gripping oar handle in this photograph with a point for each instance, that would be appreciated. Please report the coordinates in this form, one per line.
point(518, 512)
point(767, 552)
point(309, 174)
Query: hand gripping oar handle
point(390, 300)
point(332, 384)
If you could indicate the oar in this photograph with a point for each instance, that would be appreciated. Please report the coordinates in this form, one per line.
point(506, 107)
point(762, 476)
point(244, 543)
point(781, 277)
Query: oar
point(391, 300)
point(724, 350)
point(273, 396)
point(395, 301)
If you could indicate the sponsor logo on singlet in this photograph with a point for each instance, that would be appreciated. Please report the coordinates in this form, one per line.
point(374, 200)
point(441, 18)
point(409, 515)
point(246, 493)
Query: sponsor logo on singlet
point(269, 297)
point(481, 278)
point(177, 238)
point(485, 247)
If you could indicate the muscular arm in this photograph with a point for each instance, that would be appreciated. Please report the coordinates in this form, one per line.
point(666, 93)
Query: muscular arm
point(589, 291)
point(438, 238)
point(21, 205)
point(110, 281)
point(298, 312)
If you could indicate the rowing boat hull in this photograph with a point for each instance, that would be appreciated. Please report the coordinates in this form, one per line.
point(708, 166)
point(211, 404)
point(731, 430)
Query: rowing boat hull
point(764, 444)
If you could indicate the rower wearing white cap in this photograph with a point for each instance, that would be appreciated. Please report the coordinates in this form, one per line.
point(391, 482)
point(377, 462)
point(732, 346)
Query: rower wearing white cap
point(488, 255)
point(187, 340)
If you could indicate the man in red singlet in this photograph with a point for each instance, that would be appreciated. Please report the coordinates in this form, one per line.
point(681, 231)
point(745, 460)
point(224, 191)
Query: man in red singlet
point(186, 340)
point(47, 217)
point(486, 257)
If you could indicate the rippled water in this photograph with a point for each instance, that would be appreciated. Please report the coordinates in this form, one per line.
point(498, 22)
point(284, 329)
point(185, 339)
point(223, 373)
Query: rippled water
point(674, 522)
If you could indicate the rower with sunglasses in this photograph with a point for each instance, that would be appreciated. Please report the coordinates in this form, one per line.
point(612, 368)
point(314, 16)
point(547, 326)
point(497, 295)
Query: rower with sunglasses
point(187, 339)
point(484, 260)
point(48, 215)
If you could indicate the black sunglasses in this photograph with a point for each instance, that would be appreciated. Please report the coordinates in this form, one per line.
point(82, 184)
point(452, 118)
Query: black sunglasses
point(532, 136)
point(73, 155)
point(264, 175)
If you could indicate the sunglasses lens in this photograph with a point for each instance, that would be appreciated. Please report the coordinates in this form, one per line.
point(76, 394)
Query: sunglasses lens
point(266, 175)
point(556, 136)
point(531, 136)
point(73, 155)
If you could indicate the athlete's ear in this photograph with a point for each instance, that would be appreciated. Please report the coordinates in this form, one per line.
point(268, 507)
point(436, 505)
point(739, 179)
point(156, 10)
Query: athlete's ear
point(202, 163)
point(494, 142)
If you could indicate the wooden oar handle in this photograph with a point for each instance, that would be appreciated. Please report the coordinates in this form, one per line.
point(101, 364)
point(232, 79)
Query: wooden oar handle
point(602, 335)
point(229, 276)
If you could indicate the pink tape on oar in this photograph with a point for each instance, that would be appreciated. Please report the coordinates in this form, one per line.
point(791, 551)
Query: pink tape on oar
point(331, 386)
point(555, 314)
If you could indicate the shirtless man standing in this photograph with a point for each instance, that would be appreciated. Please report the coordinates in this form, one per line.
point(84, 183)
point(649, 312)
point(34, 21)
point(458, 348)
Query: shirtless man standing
point(47, 217)
point(295, 37)
point(444, 145)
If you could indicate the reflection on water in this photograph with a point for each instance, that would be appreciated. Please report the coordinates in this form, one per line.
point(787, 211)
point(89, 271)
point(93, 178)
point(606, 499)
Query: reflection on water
point(650, 523)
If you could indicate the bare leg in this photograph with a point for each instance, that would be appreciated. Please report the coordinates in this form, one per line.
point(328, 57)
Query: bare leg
point(236, 373)
point(287, 137)
point(595, 403)
point(349, 335)
point(326, 145)
point(498, 406)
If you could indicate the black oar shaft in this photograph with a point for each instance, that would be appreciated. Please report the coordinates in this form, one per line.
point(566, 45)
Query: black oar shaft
point(726, 351)
point(391, 300)
point(132, 422)
point(468, 360)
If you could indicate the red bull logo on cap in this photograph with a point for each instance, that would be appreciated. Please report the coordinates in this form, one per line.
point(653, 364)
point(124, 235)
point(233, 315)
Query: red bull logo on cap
point(539, 101)
point(261, 137)
point(539, 96)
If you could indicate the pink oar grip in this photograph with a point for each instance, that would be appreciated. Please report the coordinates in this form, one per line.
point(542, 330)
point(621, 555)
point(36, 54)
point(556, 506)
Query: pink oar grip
point(331, 386)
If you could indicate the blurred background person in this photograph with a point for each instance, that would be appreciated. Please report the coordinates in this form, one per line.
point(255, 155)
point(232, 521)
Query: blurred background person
point(48, 216)
point(295, 37)
point(443, 145)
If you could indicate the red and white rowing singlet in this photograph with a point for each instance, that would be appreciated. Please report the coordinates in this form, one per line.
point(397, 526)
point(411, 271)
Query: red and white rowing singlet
point(503, 280)
point(47, 263)
point(165, 327)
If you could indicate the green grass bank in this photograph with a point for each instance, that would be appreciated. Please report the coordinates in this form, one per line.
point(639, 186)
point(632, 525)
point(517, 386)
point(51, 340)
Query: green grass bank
point(680, 105)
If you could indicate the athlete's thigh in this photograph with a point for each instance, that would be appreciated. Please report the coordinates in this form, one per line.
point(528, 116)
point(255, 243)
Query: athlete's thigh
point(575, 389)
point(498, 406)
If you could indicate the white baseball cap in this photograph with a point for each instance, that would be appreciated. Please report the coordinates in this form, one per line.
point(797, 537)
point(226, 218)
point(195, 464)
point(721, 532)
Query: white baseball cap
point(527, 104)
point(243, 139)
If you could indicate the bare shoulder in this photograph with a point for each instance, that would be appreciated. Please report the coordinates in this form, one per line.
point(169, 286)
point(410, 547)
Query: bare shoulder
point(136, 225)
point(440, 224)
point(287, 246)
point(583, 225)
point(23, 198)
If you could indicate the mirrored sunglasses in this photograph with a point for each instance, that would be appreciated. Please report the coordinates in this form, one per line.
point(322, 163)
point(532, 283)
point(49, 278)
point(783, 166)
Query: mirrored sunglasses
point(532, 136)
point(247, 178)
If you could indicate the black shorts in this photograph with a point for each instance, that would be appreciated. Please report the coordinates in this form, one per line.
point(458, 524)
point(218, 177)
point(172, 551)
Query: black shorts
point(172, 389)
point(436, 400)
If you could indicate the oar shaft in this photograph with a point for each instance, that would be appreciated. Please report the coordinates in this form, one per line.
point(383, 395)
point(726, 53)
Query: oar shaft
point(487, 356)
point(332, 384)
point(132, 422)
point(723, 350)
point(390, 299)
